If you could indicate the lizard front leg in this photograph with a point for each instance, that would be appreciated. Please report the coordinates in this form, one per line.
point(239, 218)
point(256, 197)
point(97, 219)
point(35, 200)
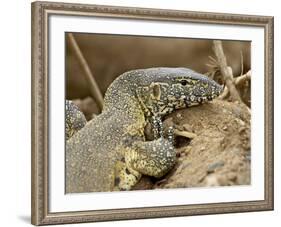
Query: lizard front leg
point(157, 127)
point(171, 135)
point(153, 158)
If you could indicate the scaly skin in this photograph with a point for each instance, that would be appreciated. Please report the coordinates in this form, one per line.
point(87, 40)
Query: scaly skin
point(110, 152)
point(74, 119)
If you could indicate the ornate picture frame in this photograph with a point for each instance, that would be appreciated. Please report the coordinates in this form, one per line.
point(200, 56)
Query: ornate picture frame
point(41, 67)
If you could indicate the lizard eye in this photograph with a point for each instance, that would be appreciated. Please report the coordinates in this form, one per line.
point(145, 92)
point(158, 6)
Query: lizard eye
point(183, 82)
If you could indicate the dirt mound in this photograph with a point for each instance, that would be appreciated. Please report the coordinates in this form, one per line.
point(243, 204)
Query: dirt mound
point(217, 152)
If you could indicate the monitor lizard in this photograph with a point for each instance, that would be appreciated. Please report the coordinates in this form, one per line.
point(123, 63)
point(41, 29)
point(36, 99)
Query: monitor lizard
point(110, 152)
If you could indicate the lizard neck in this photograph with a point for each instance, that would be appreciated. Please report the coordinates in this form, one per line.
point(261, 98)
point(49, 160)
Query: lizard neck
point(126, 108)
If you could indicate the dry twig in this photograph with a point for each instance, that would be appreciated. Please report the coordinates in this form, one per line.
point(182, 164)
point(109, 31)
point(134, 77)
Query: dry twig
point(237, 81)
point(242, 63)
point(226, 71)
point(241, 79)
point(186, 134)
point(93, 86)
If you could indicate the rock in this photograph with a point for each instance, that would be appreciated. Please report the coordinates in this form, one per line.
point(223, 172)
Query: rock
point(232, 176)
point(214, 166)
point(212, 180)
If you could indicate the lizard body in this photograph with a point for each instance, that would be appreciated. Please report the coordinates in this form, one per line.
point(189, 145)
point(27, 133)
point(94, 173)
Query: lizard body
point(110, 152)
point(75, 119)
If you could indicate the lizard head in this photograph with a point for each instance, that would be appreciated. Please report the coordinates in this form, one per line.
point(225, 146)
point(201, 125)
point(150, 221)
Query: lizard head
point(176, 88)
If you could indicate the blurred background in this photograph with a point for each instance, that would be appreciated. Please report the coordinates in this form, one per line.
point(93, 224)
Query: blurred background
point(108, 56)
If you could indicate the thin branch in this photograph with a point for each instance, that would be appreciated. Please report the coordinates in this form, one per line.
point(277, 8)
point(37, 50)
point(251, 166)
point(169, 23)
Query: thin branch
point(93, 86)
point(241, 79)
point(242, 63)
point(186, 134)
point(212, 60)
point(224, 94)
point(225, 70)
point(237, 81)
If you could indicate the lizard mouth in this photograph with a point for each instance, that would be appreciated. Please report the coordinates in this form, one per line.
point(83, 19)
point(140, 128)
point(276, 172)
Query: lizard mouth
point(196, 100)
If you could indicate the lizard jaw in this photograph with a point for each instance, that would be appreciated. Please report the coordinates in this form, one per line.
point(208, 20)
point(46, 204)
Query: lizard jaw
point(197, 100)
